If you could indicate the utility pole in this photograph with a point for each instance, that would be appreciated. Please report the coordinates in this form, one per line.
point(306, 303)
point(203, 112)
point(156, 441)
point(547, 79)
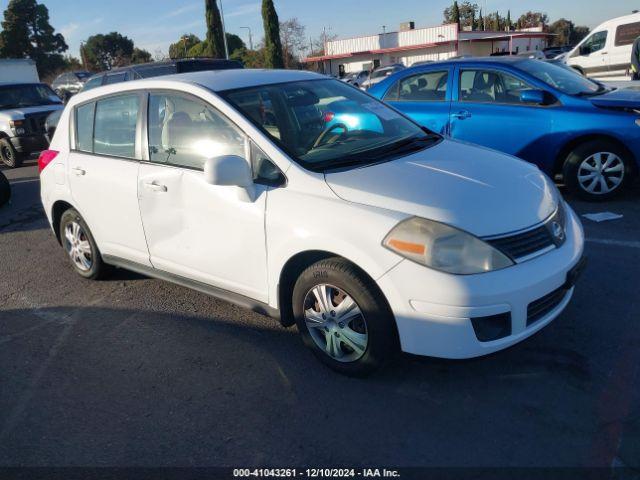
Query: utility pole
point(224, 32)
point(250, 38)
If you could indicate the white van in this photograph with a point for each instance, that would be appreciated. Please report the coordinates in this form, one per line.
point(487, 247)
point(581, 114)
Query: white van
point(18, 70)
point(606, 52)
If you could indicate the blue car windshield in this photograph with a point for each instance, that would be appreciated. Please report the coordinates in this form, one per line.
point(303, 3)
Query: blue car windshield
point(560, 78)
point(326, 124)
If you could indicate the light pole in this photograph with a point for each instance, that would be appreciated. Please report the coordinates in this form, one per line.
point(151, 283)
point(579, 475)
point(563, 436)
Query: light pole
point(250, 40)
point(224, 32)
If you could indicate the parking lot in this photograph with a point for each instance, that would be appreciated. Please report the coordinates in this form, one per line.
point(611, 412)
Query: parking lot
point(133, 371)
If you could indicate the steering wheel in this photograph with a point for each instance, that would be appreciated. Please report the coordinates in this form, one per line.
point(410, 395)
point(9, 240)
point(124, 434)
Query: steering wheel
point(320, 140)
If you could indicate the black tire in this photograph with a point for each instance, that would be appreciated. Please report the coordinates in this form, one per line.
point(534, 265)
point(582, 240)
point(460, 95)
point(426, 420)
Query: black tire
point(5, 190)
point(379, 325)
point(97, 267)
point(578, 160)
point(8, 154)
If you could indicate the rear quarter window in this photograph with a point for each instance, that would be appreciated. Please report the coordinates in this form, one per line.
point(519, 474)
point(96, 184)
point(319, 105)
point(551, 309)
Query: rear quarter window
point(84, 127)
point(627, 34)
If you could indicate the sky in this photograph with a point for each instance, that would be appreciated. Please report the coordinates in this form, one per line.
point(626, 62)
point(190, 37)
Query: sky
point(154, 25)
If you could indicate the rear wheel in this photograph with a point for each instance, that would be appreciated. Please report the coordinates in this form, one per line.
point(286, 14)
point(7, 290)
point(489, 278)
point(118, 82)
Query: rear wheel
point(597, 170)
point(8, 154)
point(342, 318)
point(80, 246)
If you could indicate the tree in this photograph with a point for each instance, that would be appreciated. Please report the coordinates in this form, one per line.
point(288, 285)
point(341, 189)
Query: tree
point(509, 23)
point(27, 33)
point(234, 42)
point(103, 52)
point(566, 33)
point(273, 45)
point(294, 41)
point(481, 25)
point(532, 20)
point(140, 55)
point(181, 48)
point(463, 14)
point(496, 22)
point(215, 39)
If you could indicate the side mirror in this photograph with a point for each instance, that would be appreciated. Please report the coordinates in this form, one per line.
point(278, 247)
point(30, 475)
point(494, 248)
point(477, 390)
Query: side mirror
point(536, 97)
point(230, 170)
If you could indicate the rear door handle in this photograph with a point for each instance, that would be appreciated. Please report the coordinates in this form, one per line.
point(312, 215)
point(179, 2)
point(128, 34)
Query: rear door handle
point(79, 171)
point(155, 186)
point(462, 115)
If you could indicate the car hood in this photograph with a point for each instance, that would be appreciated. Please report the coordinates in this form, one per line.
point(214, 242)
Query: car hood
point(472, 188)
point(622, 98)
point(18, 113)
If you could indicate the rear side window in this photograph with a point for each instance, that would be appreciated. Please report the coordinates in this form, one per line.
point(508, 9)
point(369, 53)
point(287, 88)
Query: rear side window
point(627, 34)
point(84, 127)
point(115, 126)
point(425, 87)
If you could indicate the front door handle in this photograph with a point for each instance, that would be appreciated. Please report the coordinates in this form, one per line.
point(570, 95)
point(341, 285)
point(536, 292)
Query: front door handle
point(79, 171)
point(462, 115)
point(155, 186)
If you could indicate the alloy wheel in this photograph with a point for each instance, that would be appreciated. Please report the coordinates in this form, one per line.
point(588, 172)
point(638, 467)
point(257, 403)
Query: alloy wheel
point(336, 323)
point(601, 173)
point(77, 245)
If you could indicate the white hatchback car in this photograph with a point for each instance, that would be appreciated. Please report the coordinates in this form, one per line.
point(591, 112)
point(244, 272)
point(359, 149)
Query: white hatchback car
point(304, 198)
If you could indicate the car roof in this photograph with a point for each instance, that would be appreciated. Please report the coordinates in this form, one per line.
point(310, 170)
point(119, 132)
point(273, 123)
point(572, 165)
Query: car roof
point(214, 80)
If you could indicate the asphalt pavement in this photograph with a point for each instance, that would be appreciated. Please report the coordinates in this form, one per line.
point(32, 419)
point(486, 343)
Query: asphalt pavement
point(132, 371)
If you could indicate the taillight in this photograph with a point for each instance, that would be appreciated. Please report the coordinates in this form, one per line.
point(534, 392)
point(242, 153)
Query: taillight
point(45, 158)
point(328, 116)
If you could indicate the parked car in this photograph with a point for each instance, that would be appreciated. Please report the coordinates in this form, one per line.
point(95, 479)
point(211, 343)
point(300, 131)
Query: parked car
point(606, 52)
point(356, 78)
point(553, 52)
point(157, 69)
point(380, 74)
point(373, 241)
point(24, 108)
point(69, 83)
point(5, 190)
point(549, 115)
point(535, 54)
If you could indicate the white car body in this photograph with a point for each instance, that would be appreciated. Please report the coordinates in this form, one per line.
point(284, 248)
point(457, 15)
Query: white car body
point(176, 234)
point(612, 59)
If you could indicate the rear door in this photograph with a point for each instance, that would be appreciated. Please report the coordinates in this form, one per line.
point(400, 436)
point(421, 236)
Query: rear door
point(487, 110)
point(103, 174)
point(425, 97)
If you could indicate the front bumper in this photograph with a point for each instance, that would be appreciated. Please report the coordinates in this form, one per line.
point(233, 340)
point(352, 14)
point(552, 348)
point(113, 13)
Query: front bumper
point(30, 143)
point(434, 310)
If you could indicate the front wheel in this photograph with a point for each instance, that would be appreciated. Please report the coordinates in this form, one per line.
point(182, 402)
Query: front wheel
point(342, 318)
point(8, 154)
point(80, 246)
point(597, 170)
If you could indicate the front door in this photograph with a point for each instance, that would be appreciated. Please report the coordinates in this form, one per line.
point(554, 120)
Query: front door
point(592, 55)
point(487, 110)
point(425, 97)
point(202, 232)
point(103, 175)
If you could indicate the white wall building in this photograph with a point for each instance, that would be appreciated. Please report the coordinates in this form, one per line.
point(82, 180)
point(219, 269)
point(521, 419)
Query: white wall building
point(411, 45)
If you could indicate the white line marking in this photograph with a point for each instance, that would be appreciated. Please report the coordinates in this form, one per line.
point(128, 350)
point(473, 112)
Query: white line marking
point(616, 243)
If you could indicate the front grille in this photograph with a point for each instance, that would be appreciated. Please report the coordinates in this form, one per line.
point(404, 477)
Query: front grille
point(35, 122)
point(524, 244)
point(541, 307)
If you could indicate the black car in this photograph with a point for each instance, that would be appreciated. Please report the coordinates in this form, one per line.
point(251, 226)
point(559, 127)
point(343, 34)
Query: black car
point(157, 69)
point(5, 190)
point(69, 83)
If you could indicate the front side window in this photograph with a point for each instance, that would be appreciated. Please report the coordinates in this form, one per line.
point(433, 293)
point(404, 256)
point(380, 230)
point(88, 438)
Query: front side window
point(490, 86)
point(84, 127)
point(627, 34)
point(594, 43)
point(185, 131)
point(115, 126)
point(326, 124)
point(425, 87)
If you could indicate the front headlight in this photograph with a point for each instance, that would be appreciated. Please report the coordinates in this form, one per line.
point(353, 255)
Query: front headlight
point(444, 248)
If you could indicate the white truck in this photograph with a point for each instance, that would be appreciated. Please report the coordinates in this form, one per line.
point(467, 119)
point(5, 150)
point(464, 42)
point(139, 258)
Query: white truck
point(605, 54)
point(25, 104)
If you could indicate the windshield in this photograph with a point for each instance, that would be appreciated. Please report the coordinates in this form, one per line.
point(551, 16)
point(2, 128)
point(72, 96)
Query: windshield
point(326, 124)
point(15, 96)
point(561, 78)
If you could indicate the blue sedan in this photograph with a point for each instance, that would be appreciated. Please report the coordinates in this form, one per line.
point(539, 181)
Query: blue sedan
point(566, 124)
